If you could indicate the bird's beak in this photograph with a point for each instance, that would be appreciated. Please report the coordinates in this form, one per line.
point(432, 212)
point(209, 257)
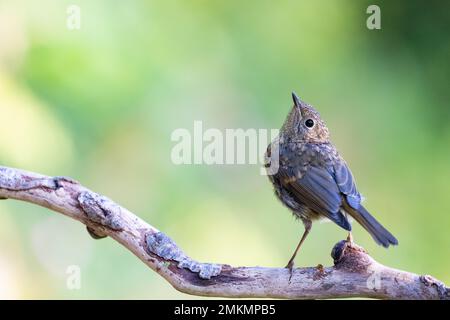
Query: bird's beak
point(297, 103)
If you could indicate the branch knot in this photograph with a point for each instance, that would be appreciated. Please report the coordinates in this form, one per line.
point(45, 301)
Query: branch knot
point(101, 209)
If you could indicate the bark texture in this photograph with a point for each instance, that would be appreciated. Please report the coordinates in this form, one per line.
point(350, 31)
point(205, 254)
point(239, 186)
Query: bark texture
point(354, 274)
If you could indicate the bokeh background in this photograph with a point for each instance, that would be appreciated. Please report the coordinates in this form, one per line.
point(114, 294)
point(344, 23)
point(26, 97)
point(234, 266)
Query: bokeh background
point(99, 104)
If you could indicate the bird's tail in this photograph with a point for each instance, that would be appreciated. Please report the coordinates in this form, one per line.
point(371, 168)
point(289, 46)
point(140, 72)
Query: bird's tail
point(376, 230)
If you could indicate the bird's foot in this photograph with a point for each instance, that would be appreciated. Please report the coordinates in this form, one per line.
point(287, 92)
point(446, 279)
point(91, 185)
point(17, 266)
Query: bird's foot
point(290, 266)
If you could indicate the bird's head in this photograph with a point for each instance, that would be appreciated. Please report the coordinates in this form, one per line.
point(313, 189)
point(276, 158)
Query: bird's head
point(303, 124)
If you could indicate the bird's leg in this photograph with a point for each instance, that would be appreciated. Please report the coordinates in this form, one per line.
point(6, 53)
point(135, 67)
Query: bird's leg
point(290, 265)
point(350, 237)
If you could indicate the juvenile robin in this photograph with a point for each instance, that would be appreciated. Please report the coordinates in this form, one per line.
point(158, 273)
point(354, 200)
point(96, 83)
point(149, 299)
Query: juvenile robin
point(313, 180)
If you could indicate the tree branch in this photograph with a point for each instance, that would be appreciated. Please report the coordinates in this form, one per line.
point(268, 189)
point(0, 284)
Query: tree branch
point(354, 274)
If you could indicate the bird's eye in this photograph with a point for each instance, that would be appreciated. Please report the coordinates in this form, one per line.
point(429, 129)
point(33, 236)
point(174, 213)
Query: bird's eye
point(309, 123)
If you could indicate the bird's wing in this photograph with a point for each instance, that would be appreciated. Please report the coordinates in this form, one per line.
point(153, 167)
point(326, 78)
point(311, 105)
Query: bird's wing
point(317, 189)
point(346, 184)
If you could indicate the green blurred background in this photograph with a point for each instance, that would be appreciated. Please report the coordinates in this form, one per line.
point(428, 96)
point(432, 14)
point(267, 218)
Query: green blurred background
point(99, 104)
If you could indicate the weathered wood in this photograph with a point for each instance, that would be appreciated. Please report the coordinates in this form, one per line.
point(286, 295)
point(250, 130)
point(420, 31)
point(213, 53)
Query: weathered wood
point(354, 274)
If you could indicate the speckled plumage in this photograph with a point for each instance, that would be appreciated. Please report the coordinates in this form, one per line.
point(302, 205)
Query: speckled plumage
point(295, 160)
point(313, 180)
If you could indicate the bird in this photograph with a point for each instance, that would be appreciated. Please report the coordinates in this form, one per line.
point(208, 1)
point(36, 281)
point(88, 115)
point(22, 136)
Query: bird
point(313, 180)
